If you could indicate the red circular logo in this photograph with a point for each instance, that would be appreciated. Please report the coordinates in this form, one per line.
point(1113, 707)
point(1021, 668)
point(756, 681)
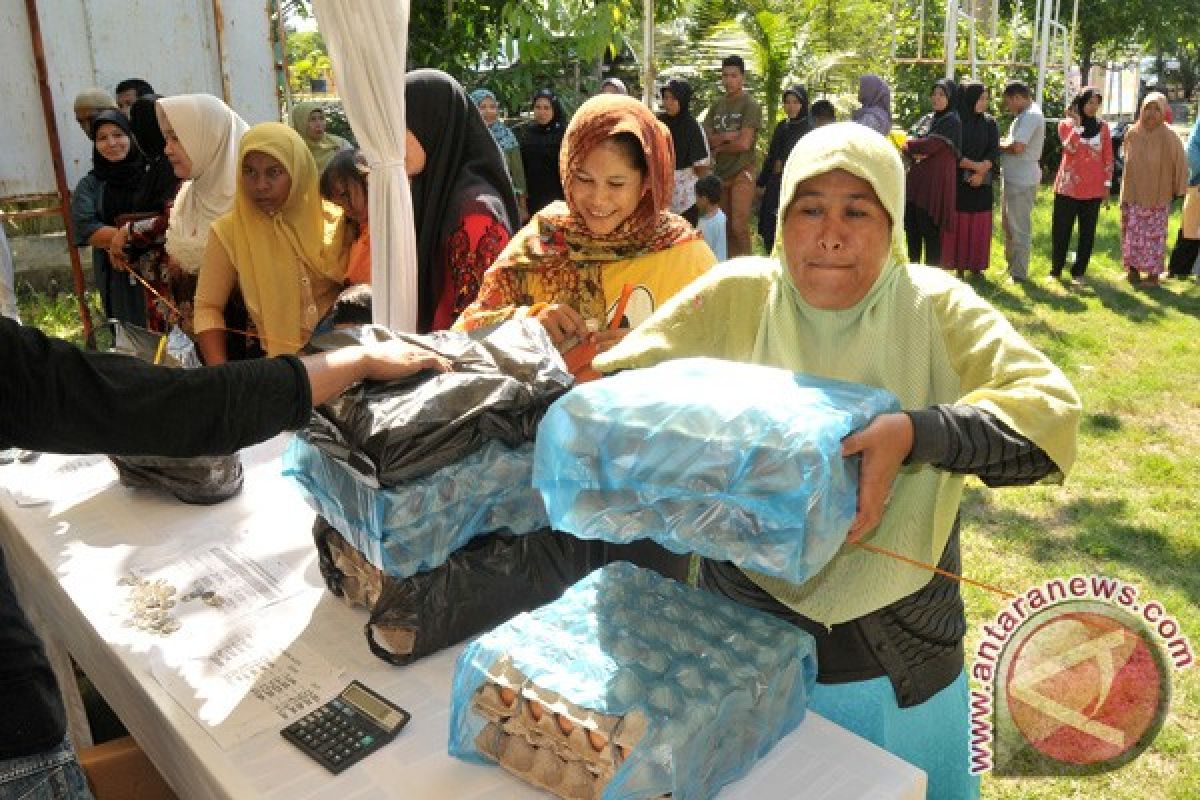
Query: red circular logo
point(1085, 686)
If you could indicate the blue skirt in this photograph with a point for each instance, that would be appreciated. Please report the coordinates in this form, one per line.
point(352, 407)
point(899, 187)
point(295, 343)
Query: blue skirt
point(934, 736)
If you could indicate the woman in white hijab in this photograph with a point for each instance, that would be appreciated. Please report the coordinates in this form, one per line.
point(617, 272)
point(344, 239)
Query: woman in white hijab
point(202, 137)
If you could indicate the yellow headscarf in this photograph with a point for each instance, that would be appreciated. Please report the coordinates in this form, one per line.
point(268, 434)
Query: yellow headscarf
point(272, 253)
point(919, 333)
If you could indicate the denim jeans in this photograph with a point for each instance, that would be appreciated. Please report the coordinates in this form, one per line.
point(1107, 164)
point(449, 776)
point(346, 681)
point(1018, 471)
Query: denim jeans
point(52, 775)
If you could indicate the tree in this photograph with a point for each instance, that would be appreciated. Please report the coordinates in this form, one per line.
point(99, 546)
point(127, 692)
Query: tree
point(307, 57)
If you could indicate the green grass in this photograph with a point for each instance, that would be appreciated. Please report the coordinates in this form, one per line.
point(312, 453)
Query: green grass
point(1131, 507)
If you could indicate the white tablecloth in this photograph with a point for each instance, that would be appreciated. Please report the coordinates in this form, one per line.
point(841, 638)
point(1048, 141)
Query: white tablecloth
point(66, 557)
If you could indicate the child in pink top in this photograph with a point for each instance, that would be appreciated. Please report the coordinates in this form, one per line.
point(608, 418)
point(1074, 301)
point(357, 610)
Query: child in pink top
point(1083, 181)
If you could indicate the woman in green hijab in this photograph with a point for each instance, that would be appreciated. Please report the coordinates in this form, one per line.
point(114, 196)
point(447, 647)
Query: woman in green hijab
point(308, 120)
point(839, 300)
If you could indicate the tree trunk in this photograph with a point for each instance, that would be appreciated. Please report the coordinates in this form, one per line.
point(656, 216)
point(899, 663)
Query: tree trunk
point(1086, 49)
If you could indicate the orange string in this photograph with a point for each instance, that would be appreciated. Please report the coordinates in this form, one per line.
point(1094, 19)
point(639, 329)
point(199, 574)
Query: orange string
point(913, 562)
point(179, 314)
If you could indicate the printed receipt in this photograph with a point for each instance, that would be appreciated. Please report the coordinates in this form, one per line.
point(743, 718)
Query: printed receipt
point(235, 665)
point(249, 684)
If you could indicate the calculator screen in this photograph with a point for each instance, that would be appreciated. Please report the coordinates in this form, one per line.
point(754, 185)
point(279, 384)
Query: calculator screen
point(370, 706)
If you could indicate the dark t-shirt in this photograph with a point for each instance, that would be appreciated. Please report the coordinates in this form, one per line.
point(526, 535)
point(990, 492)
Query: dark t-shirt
point(733, 114)
point(56, 398)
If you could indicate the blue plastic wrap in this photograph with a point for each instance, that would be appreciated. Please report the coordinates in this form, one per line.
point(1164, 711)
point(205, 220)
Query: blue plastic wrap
point(631, 686)
point(735, 462)
point(415, 527)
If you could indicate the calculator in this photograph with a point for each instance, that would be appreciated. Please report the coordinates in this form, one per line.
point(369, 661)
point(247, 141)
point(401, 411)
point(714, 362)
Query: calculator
point(348, 728)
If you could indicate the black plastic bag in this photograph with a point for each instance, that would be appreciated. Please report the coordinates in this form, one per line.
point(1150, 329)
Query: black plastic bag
point(394, 432)
point(202, 480)
point(492, 579)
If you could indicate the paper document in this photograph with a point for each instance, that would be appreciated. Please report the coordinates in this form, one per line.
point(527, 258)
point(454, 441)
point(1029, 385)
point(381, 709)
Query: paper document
point(58, 479)
point(248, 684)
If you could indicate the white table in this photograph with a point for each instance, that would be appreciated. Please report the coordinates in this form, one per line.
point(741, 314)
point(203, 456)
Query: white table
point(66, 557)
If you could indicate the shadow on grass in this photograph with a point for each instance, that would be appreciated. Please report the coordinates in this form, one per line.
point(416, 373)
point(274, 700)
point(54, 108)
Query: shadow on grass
point(1104, 532)
point(1017, 298)
point(1101, 424)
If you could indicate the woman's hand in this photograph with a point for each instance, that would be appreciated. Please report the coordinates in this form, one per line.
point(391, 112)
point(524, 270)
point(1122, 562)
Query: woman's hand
point(608, 339)
point(883, 445)
point(330, 373)
point(562, 323)
point(389, 361)
point(116, 248)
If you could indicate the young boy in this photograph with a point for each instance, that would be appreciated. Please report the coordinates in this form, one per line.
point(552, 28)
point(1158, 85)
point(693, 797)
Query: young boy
point(712, 218)
point(822, 113)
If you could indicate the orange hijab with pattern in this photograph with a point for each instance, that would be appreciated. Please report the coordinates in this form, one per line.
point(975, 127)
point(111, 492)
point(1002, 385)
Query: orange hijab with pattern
point(558, 242)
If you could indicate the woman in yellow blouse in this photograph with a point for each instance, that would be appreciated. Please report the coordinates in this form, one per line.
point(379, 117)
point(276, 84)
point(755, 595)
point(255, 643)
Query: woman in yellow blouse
point(281, 244)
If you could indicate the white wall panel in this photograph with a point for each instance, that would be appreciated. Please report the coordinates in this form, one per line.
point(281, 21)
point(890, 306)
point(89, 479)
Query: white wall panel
point(171, 43)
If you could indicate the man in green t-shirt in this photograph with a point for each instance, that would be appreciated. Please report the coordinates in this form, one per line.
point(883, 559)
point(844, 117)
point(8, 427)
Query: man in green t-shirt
point(731, 125)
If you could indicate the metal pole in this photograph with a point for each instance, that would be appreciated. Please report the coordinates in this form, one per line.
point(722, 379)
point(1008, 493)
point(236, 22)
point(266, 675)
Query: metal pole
point(921, 33)
point(1043, 47)
point(951, 36)
point(219, 24)
point(1037, 25)
point(648, 57)
point(60, 172)
point(282, 65)
point(894, 27)
point(1083, 79)
point(972, 40)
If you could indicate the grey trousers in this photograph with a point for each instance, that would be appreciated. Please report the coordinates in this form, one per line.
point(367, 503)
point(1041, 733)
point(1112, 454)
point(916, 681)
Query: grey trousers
point(1017, 218)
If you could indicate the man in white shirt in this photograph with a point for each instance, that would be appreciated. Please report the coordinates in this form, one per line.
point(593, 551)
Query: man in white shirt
point(1020, 162)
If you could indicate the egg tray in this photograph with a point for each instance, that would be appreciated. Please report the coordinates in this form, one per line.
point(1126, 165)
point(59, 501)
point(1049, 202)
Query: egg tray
point(734, 462)
point(414, 528)
point(546, 740)
point(631, 686)
point(494, 577)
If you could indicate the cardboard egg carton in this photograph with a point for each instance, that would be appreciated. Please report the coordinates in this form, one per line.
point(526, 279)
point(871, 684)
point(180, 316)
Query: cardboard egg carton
point(361, 584)
point(631, 686)
point(548, 741)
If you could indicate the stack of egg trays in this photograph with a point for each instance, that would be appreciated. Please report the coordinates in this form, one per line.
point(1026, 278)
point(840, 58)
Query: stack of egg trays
point(731, 461)
point(404, 530)
point(629, 686)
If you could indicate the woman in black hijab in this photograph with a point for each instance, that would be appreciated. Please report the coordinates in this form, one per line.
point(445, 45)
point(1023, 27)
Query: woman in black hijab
point(139, 244)
point(540, 142)
point(159, 187)
point(969, 246)
point(931, 190)
point(111, 190)
point(464, 206)
point(692, 158)
point(795, 124)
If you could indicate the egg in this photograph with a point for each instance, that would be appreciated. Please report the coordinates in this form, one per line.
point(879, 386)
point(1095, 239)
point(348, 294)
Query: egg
point(536, 710)
point(597, 740)
point(564, 724)
point(507, 696)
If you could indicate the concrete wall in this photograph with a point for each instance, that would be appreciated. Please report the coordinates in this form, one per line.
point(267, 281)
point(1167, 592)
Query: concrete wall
point(171, 43)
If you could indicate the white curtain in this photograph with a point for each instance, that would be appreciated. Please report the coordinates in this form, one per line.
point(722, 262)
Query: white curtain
point(367, 41)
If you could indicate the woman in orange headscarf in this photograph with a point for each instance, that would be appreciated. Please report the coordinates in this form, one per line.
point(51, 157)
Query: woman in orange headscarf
point(281, 245)
point(567, 267)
